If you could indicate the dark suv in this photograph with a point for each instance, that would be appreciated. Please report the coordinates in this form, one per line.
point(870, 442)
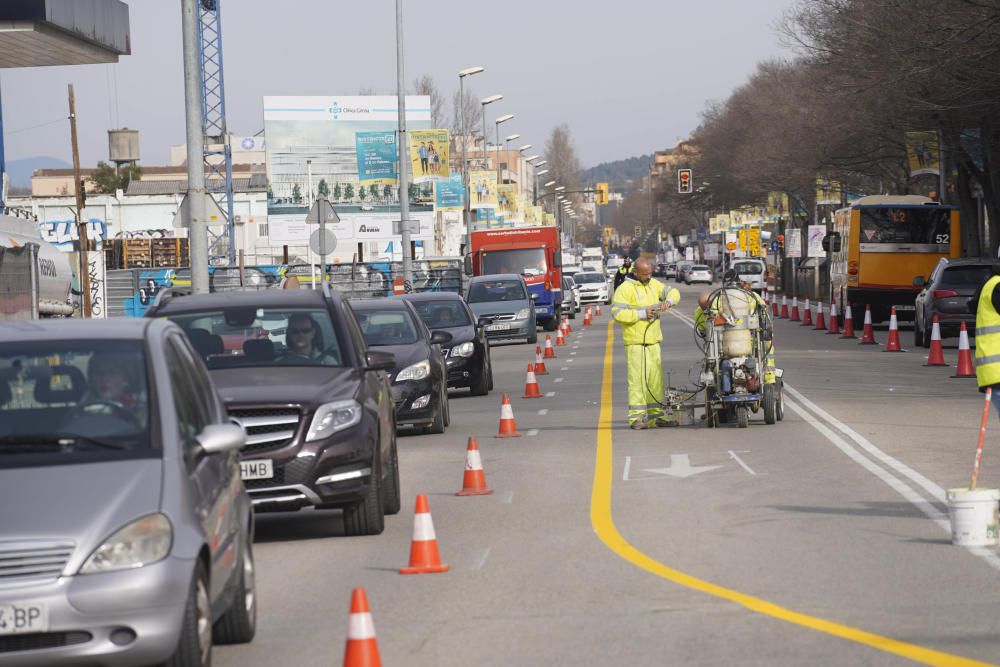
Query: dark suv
point(293, 370)
point(946, 293)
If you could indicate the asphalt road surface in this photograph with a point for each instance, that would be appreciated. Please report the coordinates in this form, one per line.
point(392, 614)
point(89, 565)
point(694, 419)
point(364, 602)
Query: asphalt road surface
point(823, 539)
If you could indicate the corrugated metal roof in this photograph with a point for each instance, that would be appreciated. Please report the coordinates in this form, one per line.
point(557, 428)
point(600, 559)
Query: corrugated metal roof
point(256, 183)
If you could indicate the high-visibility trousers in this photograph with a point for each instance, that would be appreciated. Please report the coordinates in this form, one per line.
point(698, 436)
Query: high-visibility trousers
point(645, 382)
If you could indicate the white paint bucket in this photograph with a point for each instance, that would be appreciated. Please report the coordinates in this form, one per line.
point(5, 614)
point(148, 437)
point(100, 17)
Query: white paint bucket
point(974, 516)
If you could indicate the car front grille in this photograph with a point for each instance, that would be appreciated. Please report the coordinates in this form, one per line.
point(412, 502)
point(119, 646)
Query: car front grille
point(33, 560)
point(296, 471)
point(42, 640)
point(500, 317)
point(267, 428)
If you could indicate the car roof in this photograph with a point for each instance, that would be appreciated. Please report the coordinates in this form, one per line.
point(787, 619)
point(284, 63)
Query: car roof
point(965, 261)
point(432, 296)
point(268, 298)
point(496, 276)
point(112, 328)
point(380, 304)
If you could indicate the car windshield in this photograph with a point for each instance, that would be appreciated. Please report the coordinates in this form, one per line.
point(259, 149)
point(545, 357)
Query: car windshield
point(386, 327)
point(245, 336)
point(589, 278)
point(525, 261)
point(497, 290)
point(966, 276)
point(442, 314)
point(68, 398)
point(699, 267)
point(748, 267)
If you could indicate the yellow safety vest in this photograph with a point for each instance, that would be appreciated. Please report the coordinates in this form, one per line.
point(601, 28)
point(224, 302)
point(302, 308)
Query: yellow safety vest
point(987, 337)
point(628, 308)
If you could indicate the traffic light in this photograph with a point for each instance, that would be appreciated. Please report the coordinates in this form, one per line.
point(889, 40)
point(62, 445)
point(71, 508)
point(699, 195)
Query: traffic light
point(601, 193)
point(684, 181)
point(781, 243)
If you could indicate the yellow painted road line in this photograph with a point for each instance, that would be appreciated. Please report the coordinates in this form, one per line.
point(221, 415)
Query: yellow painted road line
point(603, 522)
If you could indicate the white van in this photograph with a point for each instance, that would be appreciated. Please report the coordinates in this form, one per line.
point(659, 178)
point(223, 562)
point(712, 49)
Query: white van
point(751, 271)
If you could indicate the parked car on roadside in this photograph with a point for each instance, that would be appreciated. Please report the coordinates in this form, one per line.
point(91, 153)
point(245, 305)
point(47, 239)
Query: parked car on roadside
point(420, 375)
point(946, 293)
point(293, 369)
point(467, 355)
point(125, 536)
point(502, 303)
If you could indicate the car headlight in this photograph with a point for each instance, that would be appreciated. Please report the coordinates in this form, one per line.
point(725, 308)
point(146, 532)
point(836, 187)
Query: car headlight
point(522, 314)
point(144, 541)
point(332, 417)
point(417, 371)
point(466, 349)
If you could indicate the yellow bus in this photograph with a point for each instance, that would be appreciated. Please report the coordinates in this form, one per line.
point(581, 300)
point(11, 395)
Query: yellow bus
point(879, 244)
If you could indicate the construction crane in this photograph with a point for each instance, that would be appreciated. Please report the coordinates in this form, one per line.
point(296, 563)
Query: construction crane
point(216, 151)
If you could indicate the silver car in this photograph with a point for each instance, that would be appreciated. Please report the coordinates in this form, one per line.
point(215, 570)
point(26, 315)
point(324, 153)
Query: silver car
point(125, 534)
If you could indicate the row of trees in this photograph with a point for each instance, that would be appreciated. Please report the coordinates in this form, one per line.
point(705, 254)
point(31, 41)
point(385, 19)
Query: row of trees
point(865, 73)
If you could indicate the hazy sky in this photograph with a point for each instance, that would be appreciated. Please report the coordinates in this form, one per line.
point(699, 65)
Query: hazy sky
point(628, 77)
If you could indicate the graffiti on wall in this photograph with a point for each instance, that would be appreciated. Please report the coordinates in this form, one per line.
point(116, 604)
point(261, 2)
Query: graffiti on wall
point(62, 233)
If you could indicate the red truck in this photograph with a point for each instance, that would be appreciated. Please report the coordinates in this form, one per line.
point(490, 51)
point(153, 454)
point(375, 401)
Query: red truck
point(532, 252)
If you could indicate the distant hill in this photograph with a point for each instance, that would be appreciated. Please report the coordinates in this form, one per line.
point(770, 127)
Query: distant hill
point(19, 171)
point(618, 172)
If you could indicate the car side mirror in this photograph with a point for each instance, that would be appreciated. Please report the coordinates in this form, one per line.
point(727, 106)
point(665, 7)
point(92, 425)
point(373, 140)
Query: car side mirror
point(376, 360)
point(440, 337)
point(534, 296)
point(216, 438)
point(919, 281)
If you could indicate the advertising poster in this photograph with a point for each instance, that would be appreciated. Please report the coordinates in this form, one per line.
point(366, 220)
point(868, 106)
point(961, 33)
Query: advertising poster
point(753, 242)
point(777, 205)
point(429, 155)
point(448, 194)
point(548, 219)
point(827, 193)
point(483, 189)
point(506, 200)
point(793, 243)
point(815, 241)
point(923, 153)
point(377, 157)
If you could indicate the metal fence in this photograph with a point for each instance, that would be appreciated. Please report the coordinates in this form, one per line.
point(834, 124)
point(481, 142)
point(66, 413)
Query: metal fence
point(19, 283)
point(376, 279)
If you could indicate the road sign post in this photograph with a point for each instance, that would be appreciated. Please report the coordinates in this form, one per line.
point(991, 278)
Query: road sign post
point(322, 241)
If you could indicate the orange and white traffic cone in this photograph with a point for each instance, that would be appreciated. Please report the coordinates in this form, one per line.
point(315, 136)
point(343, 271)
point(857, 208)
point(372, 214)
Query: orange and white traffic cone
point(508, 427)
point(965, 368)
point(424, 557)
point(560, 340)
point(774, 306)
point(361, 649)
point(540, 362)
point(848, 321)
point(568, 328)
point(586, 317)
point(784, 306)
point(892, 345)
point(531, 384)
point(868, 332)
point(550, 353)
point(795, 310)
point(807, 315)
point(474, 479)
point(820, 319)
point(598, 310)
point(936, 356)
point(833, 328)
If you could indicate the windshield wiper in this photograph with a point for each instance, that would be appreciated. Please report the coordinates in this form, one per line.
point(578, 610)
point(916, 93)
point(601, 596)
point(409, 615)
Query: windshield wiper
point(60, 440)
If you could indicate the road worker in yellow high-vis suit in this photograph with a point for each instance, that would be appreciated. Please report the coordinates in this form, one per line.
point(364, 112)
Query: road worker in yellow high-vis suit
point(637, 306)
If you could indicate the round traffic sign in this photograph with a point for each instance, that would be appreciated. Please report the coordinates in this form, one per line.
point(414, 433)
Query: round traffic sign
point(323, 241)
point(730, 246)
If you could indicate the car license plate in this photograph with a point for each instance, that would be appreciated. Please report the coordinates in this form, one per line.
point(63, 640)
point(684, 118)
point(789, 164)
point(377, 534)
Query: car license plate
point(905, 307)
point(498, 327)
point(19, 618)
point(257, 469)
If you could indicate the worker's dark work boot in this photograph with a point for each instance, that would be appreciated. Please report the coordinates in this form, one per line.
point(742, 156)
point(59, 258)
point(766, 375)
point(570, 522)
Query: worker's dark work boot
point(639, 424)
point(663, 422)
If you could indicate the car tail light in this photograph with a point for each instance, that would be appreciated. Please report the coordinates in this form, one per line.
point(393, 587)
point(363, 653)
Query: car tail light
point(944, 293)
point(852, 268)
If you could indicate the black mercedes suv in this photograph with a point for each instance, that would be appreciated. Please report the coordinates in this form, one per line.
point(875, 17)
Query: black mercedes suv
point(293, 369)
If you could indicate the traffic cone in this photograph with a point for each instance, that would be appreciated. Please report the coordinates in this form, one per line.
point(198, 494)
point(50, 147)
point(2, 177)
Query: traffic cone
point(424, 558)
point(892, 345)
point(965, 368)
point(598, 310)
point(834, 328)
point(586, 317)
point(868, 333)
point(936, 355)
point(474, 479)
point(550, 353)
point(807, 315)
point(784, 306)
point(795, 310)
point(540, 362)
point(508, 427)
point(820, 320)
point(568, 327)
point(361, 649)
point(848, 322)
point(774, 306)
point(560, 340)
point(531, 384)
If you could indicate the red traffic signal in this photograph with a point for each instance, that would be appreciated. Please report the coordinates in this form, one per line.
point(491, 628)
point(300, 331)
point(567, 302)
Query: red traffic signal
point(684, 181)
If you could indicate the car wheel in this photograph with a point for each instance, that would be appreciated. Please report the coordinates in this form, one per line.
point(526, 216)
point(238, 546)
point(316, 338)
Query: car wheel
point(194, 649)
point(742, 416)
point(437, 426)
point(367, 516)
point(238, 624)
point(572, 313)
point(551, 324)
point(447, 406)
point(482, 385)
point(491, 375)
point(918, 334)
point(533, 337)
point(770, 404)
point(392, 502)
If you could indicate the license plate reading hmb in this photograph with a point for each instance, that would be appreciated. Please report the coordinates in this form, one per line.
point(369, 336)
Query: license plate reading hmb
point(257, 469)
point(19, 618)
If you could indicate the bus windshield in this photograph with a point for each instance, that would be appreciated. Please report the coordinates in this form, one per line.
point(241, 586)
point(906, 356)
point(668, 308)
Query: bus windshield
point(919, 229)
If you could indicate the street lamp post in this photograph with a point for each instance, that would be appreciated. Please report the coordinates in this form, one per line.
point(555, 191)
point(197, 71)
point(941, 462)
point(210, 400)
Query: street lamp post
point(509, 138)
point(486, 100)
point(467, 219)
point(501, 119)
point(404, 150)
point(534, 193)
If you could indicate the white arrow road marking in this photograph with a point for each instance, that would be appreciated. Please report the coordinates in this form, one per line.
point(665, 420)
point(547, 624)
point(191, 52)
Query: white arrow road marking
point(680, 466)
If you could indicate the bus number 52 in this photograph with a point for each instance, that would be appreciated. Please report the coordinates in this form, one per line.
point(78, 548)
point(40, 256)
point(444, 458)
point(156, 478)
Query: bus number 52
point(942, 239)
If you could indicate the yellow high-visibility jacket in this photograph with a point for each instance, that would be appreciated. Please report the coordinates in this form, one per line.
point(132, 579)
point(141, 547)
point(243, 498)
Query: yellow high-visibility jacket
point(629, 306)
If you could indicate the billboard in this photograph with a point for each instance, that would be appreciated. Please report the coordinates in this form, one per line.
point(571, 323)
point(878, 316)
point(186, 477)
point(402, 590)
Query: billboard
point(923, 153)
point(448, 194)
point(793, 243)
point(483, 189)
point(377, 157)
point(429, 155)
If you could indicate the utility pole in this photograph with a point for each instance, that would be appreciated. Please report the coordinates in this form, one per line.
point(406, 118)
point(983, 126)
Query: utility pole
point(197, 222)
point(404, 150)
point(81, 226)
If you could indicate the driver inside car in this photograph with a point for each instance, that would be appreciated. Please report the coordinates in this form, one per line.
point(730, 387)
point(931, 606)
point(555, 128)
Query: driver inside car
point(115, 388)
point(304, 341)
